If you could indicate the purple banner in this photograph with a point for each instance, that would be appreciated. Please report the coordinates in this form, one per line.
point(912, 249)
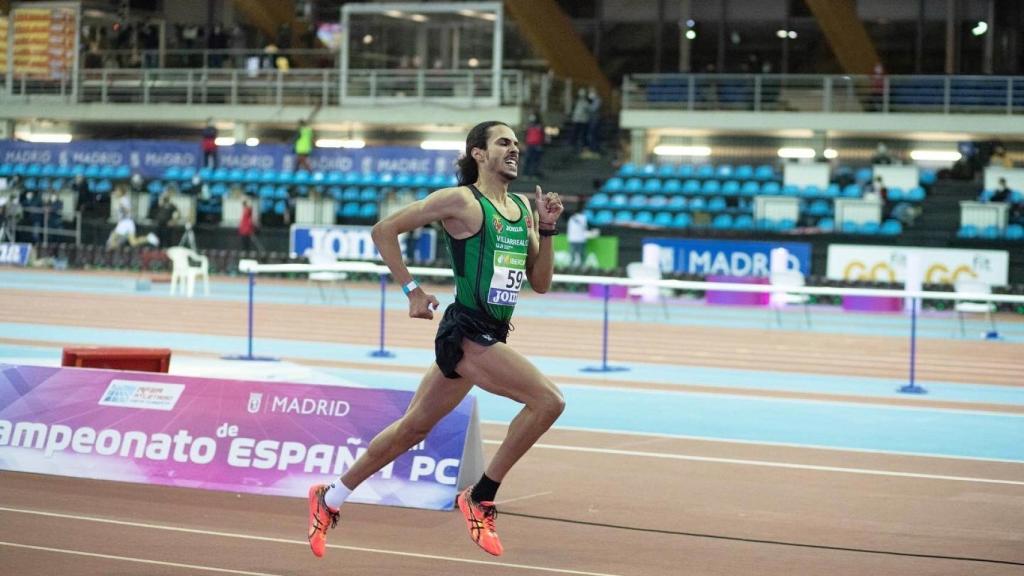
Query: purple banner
point(233, 435)
point(151, 158)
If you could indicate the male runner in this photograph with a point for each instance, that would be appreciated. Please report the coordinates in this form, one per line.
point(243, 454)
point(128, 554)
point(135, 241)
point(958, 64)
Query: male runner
point(494, 242)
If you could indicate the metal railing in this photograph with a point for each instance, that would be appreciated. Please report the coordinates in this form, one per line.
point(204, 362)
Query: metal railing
point(299, 87)
point(825, 93)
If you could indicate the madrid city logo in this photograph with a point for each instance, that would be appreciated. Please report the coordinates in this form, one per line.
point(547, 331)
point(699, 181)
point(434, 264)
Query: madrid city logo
point(255, 400)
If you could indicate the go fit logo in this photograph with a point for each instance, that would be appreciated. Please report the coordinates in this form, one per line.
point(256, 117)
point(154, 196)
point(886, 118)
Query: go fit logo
point(882, 271)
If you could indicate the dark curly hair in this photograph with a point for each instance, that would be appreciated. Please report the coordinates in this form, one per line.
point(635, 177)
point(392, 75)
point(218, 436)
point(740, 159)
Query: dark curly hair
point(467, 170)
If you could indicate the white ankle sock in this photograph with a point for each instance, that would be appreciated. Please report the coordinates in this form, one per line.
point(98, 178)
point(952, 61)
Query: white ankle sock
point(336, 495)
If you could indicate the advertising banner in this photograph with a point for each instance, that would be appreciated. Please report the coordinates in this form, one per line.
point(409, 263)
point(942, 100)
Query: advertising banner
point(268, 438)
point(727, 257)
point(151, 158)
point(601, 252)
point(355, 243)
point(939, 265)
point(15, 254)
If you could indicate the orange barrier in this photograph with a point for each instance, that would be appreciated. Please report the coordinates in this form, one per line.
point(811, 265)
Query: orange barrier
point(117, 358)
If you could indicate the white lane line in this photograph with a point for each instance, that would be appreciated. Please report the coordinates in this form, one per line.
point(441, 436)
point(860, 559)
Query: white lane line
point(768, 464)
point(136, 560)
point(527, 497)
point(611, 431)
point(302, 543)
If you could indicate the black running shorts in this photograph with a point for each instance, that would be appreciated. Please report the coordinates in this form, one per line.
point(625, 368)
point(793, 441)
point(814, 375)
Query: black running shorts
point(461, 322)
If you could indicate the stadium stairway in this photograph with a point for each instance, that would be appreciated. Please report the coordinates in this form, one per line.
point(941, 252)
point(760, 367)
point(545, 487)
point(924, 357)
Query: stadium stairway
point(940, 213)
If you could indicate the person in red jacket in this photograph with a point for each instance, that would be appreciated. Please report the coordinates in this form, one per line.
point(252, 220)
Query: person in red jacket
point(247, 228)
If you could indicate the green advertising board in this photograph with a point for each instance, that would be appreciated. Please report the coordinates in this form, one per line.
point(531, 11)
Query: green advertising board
point(602, 252)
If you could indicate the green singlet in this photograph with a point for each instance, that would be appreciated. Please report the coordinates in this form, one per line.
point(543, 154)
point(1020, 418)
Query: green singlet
point(490, 266)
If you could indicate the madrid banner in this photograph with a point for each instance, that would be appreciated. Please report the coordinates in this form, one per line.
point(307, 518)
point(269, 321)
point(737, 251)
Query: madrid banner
point(268, 438)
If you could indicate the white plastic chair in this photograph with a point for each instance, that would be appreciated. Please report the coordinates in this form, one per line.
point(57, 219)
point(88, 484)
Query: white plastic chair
point(643, 272)
point(780, 298)
point(325, 279)
point(974, 306)
point(186, 265)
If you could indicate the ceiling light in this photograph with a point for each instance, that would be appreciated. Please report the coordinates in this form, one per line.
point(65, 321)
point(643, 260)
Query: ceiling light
point(225, 141)
point(796, 153)
point(673, 150)
point(473, 62)
point(831, 153)
point(781, 33)
point(792, 34)
point(250, 142)
point(690, 35)
point(368, 39)
point(45, 138)
point(442, 145)
point(935, 155)
point(980, 28)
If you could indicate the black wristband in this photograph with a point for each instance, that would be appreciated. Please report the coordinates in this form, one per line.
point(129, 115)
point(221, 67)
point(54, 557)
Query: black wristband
point(551, 232)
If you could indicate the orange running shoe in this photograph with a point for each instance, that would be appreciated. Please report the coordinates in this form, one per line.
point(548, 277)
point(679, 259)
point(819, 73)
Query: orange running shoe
point(320, 518)
point(480, 519)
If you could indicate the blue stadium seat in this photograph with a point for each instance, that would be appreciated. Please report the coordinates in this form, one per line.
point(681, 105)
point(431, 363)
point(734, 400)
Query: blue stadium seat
point(107, 171)
point(619, 201)
point(827, 224)
point(698, 204)
point(705, 171)
point(891, 228)
point(682, 220)
point(334, 192)
point(92, 171)
point(637, 201)
point(281, 193)
point(790, 190)
point(645, 217)
point(832, 191)
point(1014, 232)
point(819, 208)
point(676, 203)
point(649, 170)
point(623, 217)
point(657, 202)
point(744, 172)
point(731, 188)
point(402, 180)
point(764, 172)
point(863, 175)
point(598, 201)
point(422, 193)
point(6, 169)
point(785, 224)
point(927, 177)
point(633, 185)
point(652, 186)
point(691, 187)
point(420, 180)
point(663, 219)
point(685, 171)
point(743, 222)
point(716, 204)
point(350, 194)
point(771, 189)
point(711, 187)
point(368, 194)
point(895, 194)
point(722, 222)
point(34, 169)
point(851, 191)
point(672, 186)
point(252, 175)
point(628, 169)
point(368, 210)
point(383, 179)
point(967, 231)
point(666, 171)
point(603, 218)
point(811, 191)
point(614, 184)
point(335, 178)
point(172, 173)
point(351, 210)
point(724, 172)
point(915, 194)
point(750, 188)
point(989, 232)
point(219, 189)
point(122, 172)
point(48, 170)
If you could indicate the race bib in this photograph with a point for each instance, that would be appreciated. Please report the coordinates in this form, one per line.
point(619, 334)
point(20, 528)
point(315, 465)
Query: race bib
point(509, 273)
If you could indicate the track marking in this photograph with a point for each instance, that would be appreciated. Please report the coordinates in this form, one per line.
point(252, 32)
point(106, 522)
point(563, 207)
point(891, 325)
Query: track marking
point(769, 464)
point(527, 497)
point(137, 560)
point(300, 542)
point(760, 443)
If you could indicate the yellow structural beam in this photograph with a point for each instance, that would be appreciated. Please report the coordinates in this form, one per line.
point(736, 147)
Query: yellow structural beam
point(846, 34)
point(549, 30)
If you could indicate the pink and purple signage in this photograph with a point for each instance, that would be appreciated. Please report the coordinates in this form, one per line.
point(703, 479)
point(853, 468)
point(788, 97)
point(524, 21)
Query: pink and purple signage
point(268, 438)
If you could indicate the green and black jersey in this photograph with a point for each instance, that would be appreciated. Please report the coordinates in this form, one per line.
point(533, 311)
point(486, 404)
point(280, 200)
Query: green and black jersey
point(490, 266)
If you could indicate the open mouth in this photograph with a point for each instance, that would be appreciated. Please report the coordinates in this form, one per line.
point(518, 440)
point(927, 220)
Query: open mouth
point(512, 163)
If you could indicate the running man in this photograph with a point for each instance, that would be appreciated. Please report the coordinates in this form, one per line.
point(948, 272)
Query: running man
point(494, 241)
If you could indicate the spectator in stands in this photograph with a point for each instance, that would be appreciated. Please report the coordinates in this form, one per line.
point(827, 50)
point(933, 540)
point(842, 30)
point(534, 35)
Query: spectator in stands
point(534, 145)
point(11, 211)
point(1002, 192)
point(210, 144)
point(165, 214)
point(593, 123)
point(86, 203)
point(999, 159)
point(32, 207)
point(136, 184)
point(577, 235)
point(876, 190)
point(54, 208)
point(580, 116)
point(303, 146)
point(881, 155)
point(124, 232)
point(247, 227)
